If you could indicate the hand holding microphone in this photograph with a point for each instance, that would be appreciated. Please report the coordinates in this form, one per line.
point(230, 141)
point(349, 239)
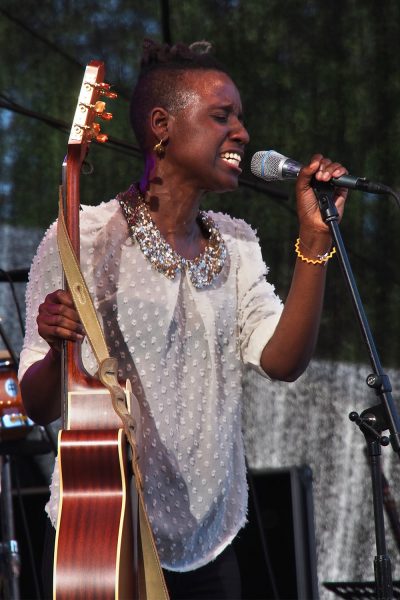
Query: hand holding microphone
point(270, 165)
point(273, 166)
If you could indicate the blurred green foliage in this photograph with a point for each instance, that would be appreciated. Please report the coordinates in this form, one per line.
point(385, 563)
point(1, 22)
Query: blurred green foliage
point(314, 76)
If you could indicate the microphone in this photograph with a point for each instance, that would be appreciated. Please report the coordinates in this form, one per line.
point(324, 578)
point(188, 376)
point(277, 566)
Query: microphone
point(272, 166)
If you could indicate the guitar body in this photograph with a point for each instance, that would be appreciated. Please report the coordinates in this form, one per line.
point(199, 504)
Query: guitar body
point(95, 551)
point(94, 545)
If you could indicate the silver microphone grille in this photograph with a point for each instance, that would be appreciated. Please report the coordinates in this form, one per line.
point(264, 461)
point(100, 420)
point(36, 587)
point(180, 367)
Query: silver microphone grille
point(268, 165)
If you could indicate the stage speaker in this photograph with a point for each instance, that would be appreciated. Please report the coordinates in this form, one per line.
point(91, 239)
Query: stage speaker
point(276, 549)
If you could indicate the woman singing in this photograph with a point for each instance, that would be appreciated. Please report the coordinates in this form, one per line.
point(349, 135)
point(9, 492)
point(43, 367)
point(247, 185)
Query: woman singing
point(185, 304)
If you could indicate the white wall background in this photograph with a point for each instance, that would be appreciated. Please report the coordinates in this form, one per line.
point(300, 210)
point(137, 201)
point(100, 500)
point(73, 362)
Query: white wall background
point(307, 422)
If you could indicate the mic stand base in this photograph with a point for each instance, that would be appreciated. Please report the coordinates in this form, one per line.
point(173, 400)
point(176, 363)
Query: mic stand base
point(383, 577)
point(382, 564)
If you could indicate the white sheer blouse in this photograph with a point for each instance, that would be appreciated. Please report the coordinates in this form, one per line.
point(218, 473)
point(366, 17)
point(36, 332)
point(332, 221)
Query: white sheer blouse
point(183, 350)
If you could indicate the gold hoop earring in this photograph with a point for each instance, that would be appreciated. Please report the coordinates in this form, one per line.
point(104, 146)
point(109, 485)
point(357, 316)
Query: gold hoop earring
point(159, 149)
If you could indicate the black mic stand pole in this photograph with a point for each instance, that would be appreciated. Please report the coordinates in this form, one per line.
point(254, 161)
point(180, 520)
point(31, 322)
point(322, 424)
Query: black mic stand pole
point(7, 343)
point(377, 418)
point(9, 545)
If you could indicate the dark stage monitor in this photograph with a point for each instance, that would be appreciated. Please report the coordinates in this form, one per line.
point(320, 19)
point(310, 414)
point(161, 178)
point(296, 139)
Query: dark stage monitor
point(276, 550)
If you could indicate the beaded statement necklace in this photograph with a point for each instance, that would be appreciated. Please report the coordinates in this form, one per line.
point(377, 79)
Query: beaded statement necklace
point(202, 270)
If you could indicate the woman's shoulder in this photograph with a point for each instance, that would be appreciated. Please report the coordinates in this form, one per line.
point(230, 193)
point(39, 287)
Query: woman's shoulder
point(93, 218)
point(233, 227)
point(242, 240)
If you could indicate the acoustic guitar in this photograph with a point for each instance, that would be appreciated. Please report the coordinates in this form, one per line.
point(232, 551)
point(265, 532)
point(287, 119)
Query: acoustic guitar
point(95, 552)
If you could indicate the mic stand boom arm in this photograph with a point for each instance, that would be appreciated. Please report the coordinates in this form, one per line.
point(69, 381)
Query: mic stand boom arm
point(372, 421)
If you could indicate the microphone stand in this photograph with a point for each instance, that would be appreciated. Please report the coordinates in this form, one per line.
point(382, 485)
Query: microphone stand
point(9, 547)
point(378, 418)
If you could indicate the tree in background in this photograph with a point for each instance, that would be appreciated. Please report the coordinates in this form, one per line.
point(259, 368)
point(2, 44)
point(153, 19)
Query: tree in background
point(314, 76)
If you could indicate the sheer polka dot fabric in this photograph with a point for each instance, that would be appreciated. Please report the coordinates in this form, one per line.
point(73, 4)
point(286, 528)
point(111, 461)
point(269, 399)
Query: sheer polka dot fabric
point(183, 350)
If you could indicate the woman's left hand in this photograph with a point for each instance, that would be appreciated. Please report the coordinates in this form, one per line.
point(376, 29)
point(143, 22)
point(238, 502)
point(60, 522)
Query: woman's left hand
point(301, 315)
point(323, 169)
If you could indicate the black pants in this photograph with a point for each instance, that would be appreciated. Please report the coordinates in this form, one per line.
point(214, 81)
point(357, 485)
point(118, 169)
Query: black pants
point(219, 580)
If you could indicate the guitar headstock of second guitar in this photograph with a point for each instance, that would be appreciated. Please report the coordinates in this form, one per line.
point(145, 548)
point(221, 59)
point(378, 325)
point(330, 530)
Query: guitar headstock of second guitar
point(89, 107)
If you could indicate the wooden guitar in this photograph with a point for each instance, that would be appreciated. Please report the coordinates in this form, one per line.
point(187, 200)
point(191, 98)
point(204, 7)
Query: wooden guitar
point(95, 554)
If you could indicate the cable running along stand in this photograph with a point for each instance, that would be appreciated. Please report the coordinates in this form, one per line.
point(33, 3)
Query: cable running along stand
point(375, 419)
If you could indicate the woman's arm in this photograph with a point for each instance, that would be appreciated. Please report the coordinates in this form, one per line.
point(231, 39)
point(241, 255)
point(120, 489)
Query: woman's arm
point(289, 350)
point(41, 384)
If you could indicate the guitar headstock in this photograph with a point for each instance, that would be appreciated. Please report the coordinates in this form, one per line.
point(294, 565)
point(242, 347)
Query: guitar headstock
point(89, 107)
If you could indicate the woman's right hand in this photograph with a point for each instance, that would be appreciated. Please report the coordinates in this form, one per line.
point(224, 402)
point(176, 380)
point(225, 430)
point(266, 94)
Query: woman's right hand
point(58, 320)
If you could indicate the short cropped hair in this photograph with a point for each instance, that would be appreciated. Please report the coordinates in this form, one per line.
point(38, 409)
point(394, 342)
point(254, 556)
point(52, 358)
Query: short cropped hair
point(161, 80)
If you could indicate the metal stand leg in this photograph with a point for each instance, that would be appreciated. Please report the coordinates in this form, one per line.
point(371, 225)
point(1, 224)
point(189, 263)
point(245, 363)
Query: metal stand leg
point(9, 545)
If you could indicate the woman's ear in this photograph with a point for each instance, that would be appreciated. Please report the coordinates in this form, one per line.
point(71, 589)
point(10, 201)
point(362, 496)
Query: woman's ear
point(159, 119)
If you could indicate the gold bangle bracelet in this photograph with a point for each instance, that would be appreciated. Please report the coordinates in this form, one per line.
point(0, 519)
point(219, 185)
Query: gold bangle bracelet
point(321, 259)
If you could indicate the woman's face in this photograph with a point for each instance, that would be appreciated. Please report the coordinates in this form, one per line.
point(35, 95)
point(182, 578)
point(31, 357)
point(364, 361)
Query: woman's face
point(206, 139)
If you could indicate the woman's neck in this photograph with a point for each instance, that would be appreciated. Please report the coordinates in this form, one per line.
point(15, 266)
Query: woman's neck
point(174, 209)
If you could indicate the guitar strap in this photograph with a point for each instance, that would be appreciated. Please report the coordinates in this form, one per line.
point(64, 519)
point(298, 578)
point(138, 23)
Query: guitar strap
point(154, 587)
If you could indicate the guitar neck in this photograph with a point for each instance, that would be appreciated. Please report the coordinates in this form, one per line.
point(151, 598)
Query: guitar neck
point(74, 375)
point(86, 402)
point(76, 380)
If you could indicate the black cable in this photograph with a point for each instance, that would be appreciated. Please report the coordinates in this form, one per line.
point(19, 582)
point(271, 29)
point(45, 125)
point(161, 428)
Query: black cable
point(52, 439)
point(130, 149)
point(63, 126)
point(28, 538)
point(12, 106)
point(8, 345)
point(16, 303)
point(42, 39)
point(165, 22)
point(121, 92)
point(16, 275)
point(396, 196)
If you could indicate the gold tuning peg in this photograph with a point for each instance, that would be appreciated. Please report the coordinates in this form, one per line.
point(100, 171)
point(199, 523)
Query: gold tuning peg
point(111, 95)
point(94, 133)
point(99, 106)
point(101, 85)
point(105, 89)
point(94, 129)
point(106, 116)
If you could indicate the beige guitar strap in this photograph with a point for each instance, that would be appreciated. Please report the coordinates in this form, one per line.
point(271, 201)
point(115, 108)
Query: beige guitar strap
point(154, 587)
